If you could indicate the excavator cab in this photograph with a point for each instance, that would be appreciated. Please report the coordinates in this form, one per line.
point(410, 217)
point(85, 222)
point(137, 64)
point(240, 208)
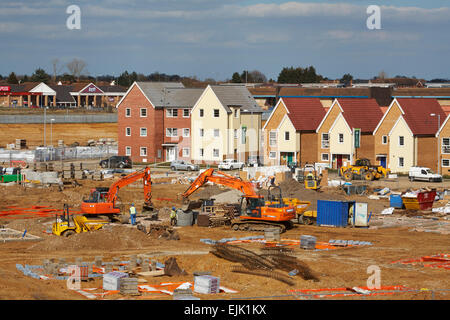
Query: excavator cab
point(98, 195)
point(251, 206)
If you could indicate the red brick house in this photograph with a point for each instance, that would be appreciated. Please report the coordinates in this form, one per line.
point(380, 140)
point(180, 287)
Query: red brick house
point(154, 121)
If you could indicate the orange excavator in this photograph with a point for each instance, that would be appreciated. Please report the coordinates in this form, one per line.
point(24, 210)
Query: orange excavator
point(102, 201)
point(255, 215)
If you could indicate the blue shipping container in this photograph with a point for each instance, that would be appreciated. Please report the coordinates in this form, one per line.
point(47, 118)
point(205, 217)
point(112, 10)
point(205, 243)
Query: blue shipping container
point(396, 201)
point(333, 213)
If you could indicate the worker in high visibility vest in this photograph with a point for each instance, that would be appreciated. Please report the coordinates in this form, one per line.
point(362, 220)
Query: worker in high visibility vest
point(133, 214)
point(173, 216)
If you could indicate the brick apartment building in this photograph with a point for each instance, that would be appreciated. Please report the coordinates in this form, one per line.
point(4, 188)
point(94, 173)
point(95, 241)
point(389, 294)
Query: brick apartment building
point(154, 121)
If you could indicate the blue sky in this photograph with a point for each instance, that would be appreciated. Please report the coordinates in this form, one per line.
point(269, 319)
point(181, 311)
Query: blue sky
point(212, 38)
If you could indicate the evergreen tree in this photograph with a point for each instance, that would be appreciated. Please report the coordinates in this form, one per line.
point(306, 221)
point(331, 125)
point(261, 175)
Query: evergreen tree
point(12, 78)
point(40, 76)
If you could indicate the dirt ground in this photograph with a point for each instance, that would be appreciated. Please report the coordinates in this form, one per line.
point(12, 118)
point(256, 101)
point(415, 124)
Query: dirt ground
point(344, 267)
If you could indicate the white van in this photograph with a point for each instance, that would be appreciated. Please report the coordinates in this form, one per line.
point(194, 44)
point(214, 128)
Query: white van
point(423, 174)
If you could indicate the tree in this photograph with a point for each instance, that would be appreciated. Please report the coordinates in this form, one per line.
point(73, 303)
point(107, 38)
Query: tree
point(346, 78)
point(257, 76)
point(236, 78)
point(76, 67)
point(67, 78)
point(124, 79)
point(40, 76)
point(382, 75)
point(56, 68)
point(12, 78)
point(299, 75)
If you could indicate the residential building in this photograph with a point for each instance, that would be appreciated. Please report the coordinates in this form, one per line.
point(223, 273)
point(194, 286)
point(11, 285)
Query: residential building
point(443, 136)
point(406, 134)
point(226, 123)
point(336, 132)
point(290, 132)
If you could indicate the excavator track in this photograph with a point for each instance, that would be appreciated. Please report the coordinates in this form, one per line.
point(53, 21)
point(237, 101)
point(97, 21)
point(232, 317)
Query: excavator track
point(253, 225)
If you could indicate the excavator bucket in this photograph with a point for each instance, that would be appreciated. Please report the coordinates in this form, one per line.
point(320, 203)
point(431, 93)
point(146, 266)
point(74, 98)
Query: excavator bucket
point(192, 205)
point(148, 209)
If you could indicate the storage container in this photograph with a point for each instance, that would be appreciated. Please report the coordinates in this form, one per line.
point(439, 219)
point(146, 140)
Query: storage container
point(423, 201)
point(333, 213)
point(360, 214)
point(111, 280)
point(396, 201)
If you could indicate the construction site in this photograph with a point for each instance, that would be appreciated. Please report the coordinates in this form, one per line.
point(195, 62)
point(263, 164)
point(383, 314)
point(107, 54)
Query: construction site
point(257, 233)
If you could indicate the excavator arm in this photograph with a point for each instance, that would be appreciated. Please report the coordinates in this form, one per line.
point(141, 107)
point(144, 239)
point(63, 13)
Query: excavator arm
point(129, 179)
point(223, 179)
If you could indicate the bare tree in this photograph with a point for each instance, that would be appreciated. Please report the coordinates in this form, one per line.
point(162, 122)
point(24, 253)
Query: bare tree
point(257, 76)
point(76, 67)
point(382, 75)
point(56, 67)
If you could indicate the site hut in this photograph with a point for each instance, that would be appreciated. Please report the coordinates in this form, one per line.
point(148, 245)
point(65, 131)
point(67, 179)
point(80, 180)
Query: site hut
point(406, 134)
point(443, 137)
point(290, 132)
point(226, 124)
point(336, 132)
point(154, 123)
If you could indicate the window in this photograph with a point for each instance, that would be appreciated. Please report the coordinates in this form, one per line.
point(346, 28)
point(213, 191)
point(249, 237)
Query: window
point(171, 132)
point(235, 133)
point(128, 131)
point(186, 132)
point(172, 113)
point(244, 135)
point(201, 152)
point(202, 132)
point(401, 140)
point(446, 162)
point(216, 132)
point(143, 112)
point(401, 162)
point(143, 151)
point(185, 113)
point(202, 113)
point(272, 155)
point(236, 113)
point(272, 138)
point(325, 140)
point(127, 112)
point(286, 135)
point(216, 113)
point(143, 132)
point(325, 157)
point(446, 145)
point(128, 151)
point(159, 153)
point(384, 139)
point(215, 153)
point(341, 138)
point(186, 152)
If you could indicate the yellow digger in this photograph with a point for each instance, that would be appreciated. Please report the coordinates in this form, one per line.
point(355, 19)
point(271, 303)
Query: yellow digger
point(63, 226)
point(364, 169)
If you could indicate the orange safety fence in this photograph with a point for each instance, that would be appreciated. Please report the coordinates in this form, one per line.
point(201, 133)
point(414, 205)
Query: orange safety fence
point(293, 242)
point(348, 292)
point(31, 212)
point(441, 260)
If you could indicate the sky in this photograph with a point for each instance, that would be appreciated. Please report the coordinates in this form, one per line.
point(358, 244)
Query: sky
point(213, 39)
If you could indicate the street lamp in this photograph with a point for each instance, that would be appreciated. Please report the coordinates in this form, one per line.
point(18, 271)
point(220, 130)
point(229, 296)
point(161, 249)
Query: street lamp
point(51, 131)
point(438, 141)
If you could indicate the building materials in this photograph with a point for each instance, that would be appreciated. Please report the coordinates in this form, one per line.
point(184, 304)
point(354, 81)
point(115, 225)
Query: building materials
point(272, 234)
point(111, 280)
point(308, 242)
point(129, 286)
point(7, 234)
point(206, 284)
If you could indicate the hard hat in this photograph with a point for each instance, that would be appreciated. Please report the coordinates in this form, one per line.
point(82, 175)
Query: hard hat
point(132, 204)
point(173, 208)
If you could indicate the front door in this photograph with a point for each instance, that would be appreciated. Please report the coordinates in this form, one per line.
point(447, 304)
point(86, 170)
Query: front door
point(171, 154)
point(290, 157)
point(383, 162)
point(338, 161)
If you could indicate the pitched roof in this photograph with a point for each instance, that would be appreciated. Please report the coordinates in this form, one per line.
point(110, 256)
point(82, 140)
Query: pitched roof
point(236, 96)
point(421, 92)
point(305, 113)
point(63, 93)
point(112, 88)
point(324, 92)
point(361, 113)
point(417, 114)
point(182, 97)
point(157, 92)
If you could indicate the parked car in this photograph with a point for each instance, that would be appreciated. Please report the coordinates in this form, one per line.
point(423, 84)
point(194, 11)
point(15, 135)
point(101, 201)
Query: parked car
point(183, 165)
point(423, 174)
point(253, 160)
point(117, 162)
point(230, 164)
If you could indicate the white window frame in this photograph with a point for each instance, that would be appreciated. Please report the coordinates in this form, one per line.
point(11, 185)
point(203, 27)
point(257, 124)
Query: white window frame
point(445, 146)
point(140, 132)
point(236, 113)
point(201, 152)
point(339, 138)
point(143, 154)
point(448, 163)
point(171, 132)
point(325, 154)
point(128, 151)
point(128, 112)
point(288, 136)
point(170, 113)
point(140, 112)
point(235, 133)
point(188, 134)
point(273, 139)
point(186, 154)
point(214, 113)
point(188, 113)
point(201, 132)
point(399, 141)
point(272, 155)
point(325, 144)
point(384, 139)
point(218, 153)
point(401, 165)
point(216, 133)
point(201, 113)
point(126, 131)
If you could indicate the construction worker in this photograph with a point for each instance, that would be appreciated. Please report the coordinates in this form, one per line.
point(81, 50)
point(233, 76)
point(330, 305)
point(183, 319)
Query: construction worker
point(272, 180)
point(133, 214)
point(173, 216)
